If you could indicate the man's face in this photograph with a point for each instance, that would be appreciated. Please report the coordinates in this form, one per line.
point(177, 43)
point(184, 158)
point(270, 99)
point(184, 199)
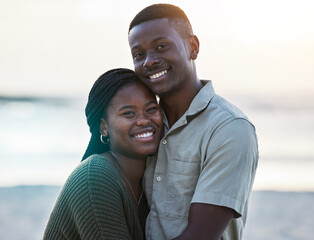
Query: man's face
point(161, 56)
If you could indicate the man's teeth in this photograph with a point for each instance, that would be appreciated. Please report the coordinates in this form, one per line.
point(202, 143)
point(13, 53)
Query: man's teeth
point(144, 135)
point(157, 75)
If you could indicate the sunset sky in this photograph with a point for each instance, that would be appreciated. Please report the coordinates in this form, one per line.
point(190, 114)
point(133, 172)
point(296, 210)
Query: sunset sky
point(247, 47)
point(259, 54)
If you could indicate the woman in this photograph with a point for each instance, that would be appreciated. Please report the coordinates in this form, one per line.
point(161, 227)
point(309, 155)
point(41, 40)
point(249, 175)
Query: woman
point(103, 197)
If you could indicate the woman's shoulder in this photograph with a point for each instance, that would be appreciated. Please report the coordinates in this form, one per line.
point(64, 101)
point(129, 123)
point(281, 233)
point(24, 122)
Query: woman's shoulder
point(96, 170)
point(96, 167)
point(96, 161)
point(91, 190)
point(93, 179)
point(99, 166)
point(97, 158)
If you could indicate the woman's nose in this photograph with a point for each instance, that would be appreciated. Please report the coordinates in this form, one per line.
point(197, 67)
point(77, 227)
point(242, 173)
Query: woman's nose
point(142, 121)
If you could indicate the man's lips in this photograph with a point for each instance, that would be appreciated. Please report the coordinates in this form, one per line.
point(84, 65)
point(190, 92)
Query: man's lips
point(155, 76)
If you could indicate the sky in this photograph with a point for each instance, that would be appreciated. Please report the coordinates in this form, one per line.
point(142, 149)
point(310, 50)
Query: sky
point(259, 50)
point(59, 48)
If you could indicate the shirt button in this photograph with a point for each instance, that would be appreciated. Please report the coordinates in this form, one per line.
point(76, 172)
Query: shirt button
point(158, 179)
point(154, 214)
point(164, 142)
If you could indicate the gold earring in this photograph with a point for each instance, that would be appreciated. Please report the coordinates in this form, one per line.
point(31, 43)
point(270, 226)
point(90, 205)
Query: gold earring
point(107, 140)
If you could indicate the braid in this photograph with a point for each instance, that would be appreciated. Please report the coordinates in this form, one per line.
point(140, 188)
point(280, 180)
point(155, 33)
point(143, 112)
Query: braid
point(99, 98)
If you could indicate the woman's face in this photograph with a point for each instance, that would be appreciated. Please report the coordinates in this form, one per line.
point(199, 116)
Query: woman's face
point(133, 122)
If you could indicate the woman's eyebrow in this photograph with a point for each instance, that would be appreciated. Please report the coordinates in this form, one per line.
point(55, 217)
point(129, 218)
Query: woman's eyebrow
point(126, 107)
point(150, 102)
point(132, 107)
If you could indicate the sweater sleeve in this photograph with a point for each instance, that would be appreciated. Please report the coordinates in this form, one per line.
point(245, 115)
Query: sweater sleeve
point(91, 205)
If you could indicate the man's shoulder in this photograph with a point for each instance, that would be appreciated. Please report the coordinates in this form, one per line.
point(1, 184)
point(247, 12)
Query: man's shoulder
point(226, 108)
point(220, 112)
point(209, 101)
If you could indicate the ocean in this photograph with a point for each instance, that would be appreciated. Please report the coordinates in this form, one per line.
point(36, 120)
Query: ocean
point(43, 139)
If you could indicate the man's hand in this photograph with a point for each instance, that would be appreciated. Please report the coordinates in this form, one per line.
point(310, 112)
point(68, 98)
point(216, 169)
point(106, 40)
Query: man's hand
point(206, 221)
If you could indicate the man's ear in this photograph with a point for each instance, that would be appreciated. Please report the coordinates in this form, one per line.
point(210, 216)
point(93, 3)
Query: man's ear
point(103, 128)
point(194, 46)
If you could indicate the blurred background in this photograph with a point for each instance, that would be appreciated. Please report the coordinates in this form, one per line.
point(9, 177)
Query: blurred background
point(259, 55)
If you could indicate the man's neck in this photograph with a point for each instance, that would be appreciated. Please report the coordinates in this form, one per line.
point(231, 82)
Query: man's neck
point(177, 103)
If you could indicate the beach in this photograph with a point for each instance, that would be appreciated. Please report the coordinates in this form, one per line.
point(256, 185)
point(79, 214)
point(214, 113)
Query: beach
point(24, 211)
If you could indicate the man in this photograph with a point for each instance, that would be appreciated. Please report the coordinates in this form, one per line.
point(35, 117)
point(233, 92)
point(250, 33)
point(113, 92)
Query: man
point(200, 184)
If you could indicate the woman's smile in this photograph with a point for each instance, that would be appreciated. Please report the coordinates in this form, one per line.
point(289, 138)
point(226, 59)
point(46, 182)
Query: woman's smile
point(134, 122)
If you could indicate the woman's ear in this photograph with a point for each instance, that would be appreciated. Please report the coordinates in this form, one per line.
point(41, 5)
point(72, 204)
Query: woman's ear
point(194, 46)
point(103, 128)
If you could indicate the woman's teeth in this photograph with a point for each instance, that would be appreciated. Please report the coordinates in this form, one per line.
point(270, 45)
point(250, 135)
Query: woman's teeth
point(144, 135)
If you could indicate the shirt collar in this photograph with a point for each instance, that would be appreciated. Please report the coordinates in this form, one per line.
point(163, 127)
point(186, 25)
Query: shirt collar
point(198, 104)
point(202, 99)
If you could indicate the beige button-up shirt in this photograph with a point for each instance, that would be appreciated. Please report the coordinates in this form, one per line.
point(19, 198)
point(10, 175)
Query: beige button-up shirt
point(209, 156)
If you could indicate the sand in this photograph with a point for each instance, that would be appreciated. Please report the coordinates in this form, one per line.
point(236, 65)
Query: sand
point(24, 212)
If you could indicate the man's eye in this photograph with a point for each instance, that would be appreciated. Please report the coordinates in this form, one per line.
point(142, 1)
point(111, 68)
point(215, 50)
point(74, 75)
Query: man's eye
point(161, 46)
point(137, 55)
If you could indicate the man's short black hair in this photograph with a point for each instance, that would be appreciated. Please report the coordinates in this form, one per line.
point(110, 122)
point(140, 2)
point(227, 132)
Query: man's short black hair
point(175, 15)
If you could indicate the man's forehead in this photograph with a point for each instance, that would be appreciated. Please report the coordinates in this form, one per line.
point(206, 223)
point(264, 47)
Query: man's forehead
point(157, 28)
point(160, 23)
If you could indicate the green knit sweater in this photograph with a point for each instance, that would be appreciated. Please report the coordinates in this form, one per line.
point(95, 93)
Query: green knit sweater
point(93, 204)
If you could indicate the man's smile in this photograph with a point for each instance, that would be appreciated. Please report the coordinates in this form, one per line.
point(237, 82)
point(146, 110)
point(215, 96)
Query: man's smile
point(158, 75)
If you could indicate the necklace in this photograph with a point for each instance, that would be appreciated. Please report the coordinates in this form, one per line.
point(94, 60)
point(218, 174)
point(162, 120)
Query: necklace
point(127, 181)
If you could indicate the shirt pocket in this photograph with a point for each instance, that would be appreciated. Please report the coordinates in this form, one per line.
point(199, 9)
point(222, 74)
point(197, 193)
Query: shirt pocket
point(182, 180)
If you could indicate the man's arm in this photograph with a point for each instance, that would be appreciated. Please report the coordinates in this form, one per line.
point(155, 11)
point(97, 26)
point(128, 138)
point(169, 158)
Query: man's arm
point(225, 180)
point(202, 224)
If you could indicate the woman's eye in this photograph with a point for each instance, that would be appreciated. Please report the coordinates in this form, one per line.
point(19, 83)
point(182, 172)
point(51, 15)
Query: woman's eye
point(128, 114)
point(152, 109)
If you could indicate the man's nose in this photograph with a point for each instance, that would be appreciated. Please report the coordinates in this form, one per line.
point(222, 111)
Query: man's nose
point(150, 60)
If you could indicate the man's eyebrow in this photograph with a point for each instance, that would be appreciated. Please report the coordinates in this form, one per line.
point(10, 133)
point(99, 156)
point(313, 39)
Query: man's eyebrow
point(154, 40)
point(159, 38)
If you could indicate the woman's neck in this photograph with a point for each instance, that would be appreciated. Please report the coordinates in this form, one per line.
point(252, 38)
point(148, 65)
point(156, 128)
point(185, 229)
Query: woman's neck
point(132, 169)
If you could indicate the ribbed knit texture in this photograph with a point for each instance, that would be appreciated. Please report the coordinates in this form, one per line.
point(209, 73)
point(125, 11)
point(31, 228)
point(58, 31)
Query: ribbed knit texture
point(93, 204)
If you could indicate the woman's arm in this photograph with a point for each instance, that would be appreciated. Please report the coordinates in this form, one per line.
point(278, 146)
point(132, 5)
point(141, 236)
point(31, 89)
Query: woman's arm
point(90, 206)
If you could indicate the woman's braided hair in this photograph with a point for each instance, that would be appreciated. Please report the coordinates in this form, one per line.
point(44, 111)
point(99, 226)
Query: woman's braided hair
point(99, 97)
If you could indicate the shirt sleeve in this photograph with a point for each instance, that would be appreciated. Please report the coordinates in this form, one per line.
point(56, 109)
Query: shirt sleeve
point(90, 206)
point(228, 171)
